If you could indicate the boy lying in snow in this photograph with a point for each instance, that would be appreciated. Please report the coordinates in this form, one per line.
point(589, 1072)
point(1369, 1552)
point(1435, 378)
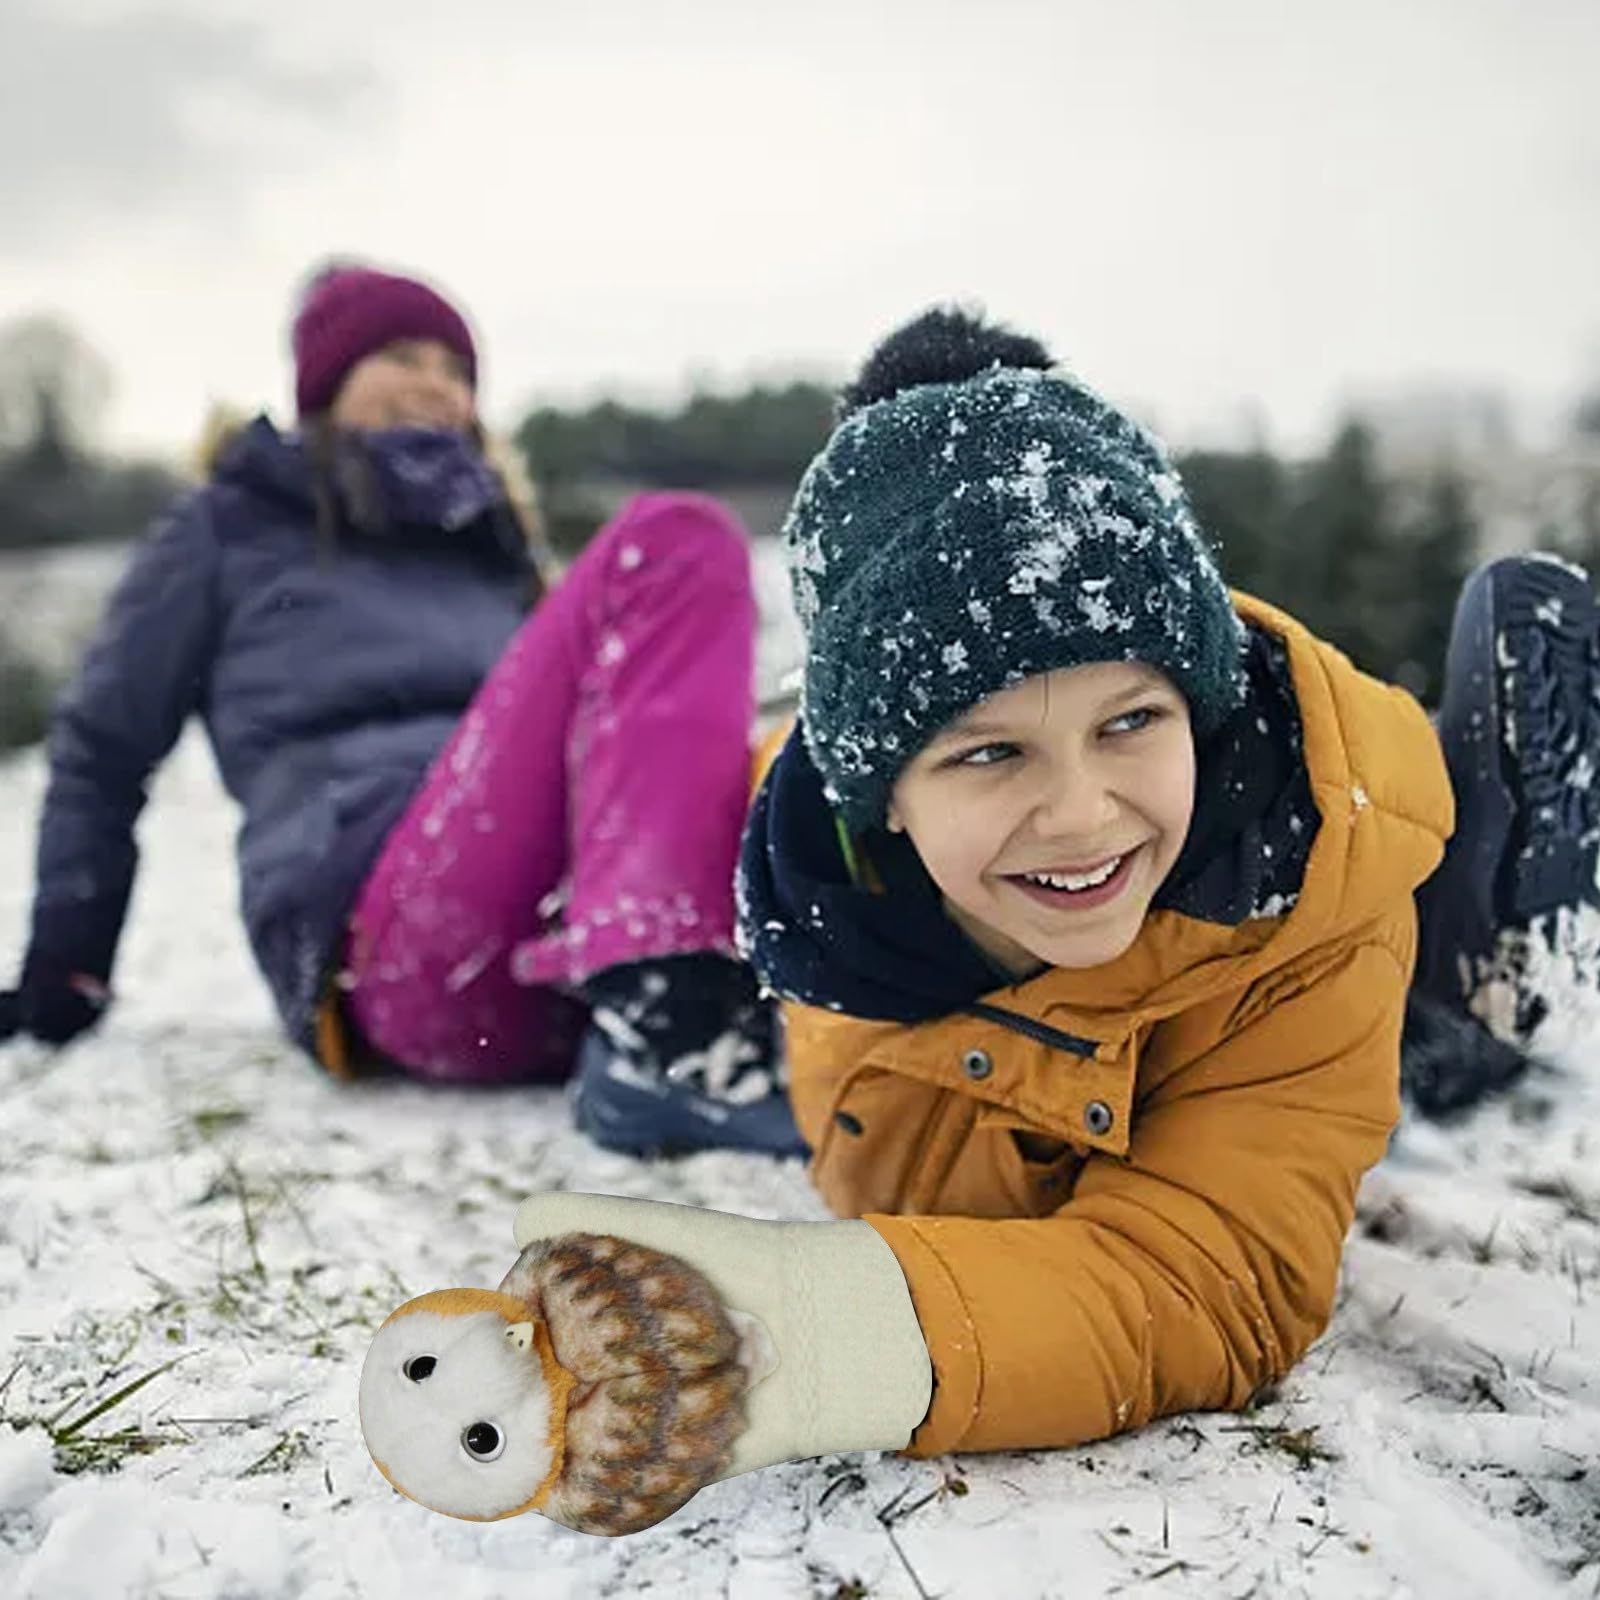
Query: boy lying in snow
point(1091, 891)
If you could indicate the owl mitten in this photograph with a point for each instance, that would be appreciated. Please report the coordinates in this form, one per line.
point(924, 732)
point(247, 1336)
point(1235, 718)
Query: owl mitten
point(638, 1351)
point(850, 1367)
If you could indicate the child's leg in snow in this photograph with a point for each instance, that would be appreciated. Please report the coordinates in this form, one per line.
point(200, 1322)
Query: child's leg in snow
point(1511, 907)
point(586, 812)
point(659, 762)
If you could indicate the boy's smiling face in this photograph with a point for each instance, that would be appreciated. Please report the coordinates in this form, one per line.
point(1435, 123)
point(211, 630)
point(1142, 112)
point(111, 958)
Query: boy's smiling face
point(1050, 813)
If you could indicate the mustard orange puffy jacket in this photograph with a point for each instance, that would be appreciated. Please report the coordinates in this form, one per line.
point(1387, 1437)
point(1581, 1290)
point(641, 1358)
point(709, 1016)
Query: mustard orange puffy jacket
point(1171, 1239)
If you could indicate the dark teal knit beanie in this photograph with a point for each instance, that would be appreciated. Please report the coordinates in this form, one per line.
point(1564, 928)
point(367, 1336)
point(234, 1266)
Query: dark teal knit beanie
point(976, 518)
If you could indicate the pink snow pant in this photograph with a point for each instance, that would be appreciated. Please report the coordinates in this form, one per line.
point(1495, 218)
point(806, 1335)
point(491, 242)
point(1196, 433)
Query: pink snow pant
point(586, 810)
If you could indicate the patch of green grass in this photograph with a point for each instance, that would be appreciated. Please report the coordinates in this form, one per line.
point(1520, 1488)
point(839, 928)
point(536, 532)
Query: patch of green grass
point(224, 1304)
point(1300, 1444)
point(1575, 1206)
point(66, 1430)
point(209, 1121)
point(76, 1449)
point(290, 1450)
point(501, 1188)
point(105, 1452)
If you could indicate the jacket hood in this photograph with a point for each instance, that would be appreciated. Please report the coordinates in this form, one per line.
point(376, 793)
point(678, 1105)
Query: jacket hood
point(256, 457)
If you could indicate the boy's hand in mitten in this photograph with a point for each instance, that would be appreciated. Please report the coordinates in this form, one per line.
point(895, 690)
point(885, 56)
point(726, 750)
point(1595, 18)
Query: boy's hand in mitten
point(852, 1370)
point(638, 1351)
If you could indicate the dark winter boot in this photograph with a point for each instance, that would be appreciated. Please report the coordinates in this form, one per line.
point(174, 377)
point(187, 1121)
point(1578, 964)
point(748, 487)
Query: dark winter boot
point(682, 1054)
point(1449, 1061)
point(1520, 726)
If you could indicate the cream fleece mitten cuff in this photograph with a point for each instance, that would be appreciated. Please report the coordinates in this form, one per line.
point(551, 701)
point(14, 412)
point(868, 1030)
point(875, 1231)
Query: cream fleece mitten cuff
point(852, 1371)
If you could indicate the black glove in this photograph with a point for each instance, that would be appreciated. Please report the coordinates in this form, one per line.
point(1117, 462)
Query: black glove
point(52, 1005)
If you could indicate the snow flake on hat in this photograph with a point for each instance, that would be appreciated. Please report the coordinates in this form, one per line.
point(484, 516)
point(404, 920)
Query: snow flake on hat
point(1097, 610)
point(1042, 561)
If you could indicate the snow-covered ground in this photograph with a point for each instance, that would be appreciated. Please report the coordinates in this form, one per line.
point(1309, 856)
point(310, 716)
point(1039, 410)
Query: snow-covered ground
point(185, 1200)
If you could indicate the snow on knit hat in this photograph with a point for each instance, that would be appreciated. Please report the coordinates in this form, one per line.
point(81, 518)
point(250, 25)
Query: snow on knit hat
point(349, 312)
point(976, 518)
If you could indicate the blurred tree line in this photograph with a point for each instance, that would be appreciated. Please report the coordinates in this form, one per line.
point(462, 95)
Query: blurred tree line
point(1367, 561)
point(761, 437)
point(763, 434)
point(55, 488)
point(1368, 554)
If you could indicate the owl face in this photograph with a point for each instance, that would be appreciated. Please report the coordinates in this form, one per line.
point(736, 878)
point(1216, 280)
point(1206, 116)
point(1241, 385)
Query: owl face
point(454, 1405)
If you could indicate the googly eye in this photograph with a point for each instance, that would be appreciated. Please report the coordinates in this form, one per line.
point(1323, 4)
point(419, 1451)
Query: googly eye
point(420, 1367)
point(483, 1442)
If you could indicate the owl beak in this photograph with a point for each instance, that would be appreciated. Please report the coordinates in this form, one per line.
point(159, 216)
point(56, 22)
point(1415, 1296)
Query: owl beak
point(520, 1335)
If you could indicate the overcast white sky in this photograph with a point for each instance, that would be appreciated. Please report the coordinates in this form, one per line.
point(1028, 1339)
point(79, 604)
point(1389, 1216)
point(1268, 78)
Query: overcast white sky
point(1208, 206)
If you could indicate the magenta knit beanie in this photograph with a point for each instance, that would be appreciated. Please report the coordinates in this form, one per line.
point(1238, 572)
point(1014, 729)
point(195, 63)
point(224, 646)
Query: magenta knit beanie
point(349, 312)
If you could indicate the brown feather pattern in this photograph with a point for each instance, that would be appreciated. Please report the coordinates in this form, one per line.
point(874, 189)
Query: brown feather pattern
point(659, 1400)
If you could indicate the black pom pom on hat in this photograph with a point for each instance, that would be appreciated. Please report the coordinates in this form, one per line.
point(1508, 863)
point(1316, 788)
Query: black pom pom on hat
point(946, 344)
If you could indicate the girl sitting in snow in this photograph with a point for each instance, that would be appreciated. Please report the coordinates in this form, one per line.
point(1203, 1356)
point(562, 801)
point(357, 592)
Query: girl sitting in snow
point(1092, 891)
point(467, 830)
